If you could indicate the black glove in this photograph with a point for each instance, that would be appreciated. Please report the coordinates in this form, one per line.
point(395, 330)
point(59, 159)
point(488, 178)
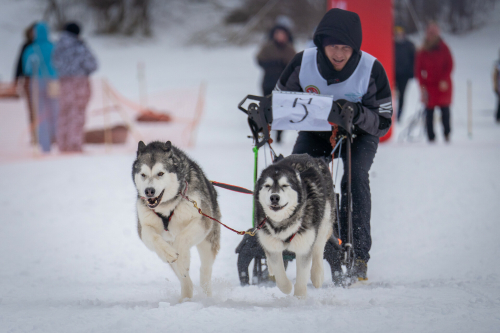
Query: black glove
point(355, 107)
point(343, 113)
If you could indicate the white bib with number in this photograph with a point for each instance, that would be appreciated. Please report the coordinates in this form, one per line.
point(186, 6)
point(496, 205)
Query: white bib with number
point(351, 89)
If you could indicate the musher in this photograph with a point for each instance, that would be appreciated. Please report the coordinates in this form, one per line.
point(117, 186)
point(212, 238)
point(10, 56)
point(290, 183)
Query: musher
point(338, 67)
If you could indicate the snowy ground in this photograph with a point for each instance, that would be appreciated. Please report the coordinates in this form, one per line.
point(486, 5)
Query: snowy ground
point(71, 260)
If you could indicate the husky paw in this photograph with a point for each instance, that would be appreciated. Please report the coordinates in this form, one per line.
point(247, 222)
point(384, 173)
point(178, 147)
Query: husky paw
point(174, 258)
point(168, 256)
point(208, 292)
point(300, 291)
point(285, 286)
point(184, 299)
point(317, 279)
point(186, 290)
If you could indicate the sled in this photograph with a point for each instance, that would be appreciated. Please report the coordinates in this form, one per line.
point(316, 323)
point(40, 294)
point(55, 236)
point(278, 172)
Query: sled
point(339, 254)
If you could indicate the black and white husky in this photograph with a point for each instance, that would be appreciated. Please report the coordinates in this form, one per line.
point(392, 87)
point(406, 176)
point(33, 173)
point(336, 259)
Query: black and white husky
point(296, 197)
point(168, 224)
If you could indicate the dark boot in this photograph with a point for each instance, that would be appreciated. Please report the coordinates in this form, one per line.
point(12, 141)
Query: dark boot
point(429, 120)
point(445, 118)
point(332, 256)
point(360, 270)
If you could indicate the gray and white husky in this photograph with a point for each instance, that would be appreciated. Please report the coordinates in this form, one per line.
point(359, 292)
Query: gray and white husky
point(296, 196)
point(168, 224)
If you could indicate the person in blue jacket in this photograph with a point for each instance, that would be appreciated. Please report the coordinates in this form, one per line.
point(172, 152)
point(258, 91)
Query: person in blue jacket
point(37, 64)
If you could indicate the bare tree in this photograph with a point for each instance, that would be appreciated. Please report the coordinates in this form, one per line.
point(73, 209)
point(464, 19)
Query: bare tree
point(305, 14)
point(55, 10)
point(456, 16)
point(122, 16)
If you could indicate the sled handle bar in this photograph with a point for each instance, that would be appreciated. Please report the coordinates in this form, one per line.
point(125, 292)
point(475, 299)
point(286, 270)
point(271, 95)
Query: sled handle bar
point(259, 117)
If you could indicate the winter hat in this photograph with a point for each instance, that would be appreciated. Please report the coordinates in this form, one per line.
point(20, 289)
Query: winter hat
point(284, 21)
point(328, 40)
point(73, 28)
point(399, 29)
point(281, 27)
point(340, 27)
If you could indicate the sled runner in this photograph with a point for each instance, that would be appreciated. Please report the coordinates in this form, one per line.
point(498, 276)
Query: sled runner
point(305, 112)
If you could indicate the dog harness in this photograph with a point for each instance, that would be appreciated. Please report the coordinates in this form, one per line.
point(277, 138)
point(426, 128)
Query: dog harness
point(165, 219)
point(290, 238)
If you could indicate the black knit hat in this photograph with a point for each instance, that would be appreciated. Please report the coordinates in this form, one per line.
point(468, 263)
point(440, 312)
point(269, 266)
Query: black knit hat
point(73, 28)
point(341, 26)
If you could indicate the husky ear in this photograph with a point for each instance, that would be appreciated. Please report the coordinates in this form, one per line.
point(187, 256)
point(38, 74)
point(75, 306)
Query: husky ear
point(168, 146)
point(140, 147)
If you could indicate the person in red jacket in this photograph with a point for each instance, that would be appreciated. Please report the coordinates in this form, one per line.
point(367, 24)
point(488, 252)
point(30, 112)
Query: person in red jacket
point(433, 68)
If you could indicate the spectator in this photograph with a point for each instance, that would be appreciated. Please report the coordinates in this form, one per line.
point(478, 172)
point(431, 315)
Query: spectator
point(433, 70)
point(21, 78)
point(273, 57)
point(44, 85)
point(405, 61)
point(496, 85)
point(74, 63)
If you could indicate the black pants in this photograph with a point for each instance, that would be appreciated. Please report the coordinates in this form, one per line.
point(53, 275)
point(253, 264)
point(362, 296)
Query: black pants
point(445, 118)
point(498, 108)
point(363, 152)
point(401, 82)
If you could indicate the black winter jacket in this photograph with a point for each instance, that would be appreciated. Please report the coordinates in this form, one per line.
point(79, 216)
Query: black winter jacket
point(405, 58)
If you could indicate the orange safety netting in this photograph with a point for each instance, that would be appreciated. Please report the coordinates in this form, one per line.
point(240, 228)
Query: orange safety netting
point(110, 118)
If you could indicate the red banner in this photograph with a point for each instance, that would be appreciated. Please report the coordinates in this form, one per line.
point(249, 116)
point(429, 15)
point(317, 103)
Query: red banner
point(377, 24)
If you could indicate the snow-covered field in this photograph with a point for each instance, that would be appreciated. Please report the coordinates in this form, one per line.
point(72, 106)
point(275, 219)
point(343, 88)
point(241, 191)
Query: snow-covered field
point(71, 260)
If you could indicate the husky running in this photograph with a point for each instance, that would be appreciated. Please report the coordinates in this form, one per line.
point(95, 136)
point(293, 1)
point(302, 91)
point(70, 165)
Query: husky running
point(168, 224)
point(295, 195)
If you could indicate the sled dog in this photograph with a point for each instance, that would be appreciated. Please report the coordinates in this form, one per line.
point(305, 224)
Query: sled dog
point(168, 224)
point(296, 196)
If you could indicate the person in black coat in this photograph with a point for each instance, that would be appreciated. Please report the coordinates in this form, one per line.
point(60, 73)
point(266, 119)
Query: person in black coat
point(273, 57)
point(496, 86)
point(21, 78)
point(405, 61)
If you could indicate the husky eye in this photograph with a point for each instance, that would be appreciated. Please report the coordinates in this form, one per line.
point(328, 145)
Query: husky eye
point(267, 186)
point(285, 185)
point(160, 174)
point(143, 175)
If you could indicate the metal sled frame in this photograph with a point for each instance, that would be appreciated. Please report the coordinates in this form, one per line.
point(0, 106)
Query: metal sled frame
point(416, 129)
point(259, 113)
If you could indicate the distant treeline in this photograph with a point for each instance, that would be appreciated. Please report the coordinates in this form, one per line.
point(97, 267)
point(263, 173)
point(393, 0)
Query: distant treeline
point(129, 17)
point(455, 16)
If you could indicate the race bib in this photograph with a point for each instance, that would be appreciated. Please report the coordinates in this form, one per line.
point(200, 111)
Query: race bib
point(301, 111)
